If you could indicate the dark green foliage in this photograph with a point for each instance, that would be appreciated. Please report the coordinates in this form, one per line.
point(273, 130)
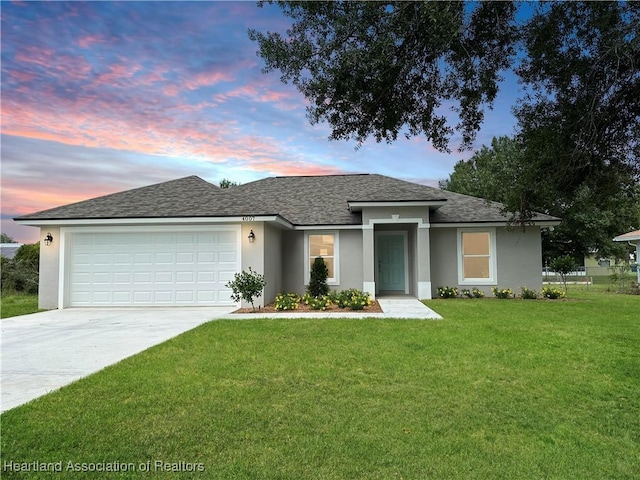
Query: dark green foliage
point(226, 183)
point(4, 238)
point(247, 286)
point(318, 286)
point(580, 122)
point(21, 273)
point(379, 69)
point(385, 68)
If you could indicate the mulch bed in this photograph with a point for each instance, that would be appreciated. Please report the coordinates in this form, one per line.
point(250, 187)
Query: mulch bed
point(302, 308)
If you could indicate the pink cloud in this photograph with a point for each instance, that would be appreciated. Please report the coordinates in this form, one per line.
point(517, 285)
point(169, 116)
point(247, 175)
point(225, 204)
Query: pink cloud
point(87, 41)
point(207, 79)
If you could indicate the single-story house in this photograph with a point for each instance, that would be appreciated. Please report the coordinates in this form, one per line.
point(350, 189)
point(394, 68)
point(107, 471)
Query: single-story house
point(181, 241)
point(632, 238)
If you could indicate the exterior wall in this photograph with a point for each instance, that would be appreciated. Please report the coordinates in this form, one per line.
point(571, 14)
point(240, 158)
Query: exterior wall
point(350, 260)
point(376, 213)
point(253, 253)
point(444, 262)
point(272, 262)
point(49, 279)
point(519, 259)
point(293, 260)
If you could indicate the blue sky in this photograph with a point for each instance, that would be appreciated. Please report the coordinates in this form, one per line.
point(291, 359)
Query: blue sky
point(100, 97)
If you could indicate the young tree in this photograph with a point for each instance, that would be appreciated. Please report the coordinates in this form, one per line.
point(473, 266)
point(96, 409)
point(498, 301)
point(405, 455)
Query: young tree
point(247, 286)
point(563, 266)
point(318, 278)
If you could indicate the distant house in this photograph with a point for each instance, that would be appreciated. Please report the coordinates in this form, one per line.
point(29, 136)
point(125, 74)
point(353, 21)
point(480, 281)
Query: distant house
point(180, 242)
point(8, 250)
point(632, 238)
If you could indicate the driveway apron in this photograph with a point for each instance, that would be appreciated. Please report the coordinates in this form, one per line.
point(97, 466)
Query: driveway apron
point(44, 351)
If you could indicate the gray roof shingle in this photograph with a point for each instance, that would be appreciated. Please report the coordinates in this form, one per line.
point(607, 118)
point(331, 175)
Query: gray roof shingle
point(313, 200)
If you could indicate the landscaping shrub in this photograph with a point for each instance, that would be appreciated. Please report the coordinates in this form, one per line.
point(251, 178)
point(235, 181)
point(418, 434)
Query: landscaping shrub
point(318, 303)
point(247, 286)
point(355, 299)
point(473, 293)
point(287, 301)
point(318, 278)
point(502, 292)
point(20, 274)
point(553, 293)
point(528, 294)
point(447, 292)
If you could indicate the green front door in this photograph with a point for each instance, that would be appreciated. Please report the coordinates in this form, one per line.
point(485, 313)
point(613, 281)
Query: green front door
point(391, 274)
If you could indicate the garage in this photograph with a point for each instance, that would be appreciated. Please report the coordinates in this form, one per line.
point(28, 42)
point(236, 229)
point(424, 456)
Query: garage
point(151, 267)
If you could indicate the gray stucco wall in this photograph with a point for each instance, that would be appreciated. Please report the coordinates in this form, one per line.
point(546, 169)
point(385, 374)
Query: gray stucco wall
point(293, 260)
point(519, 259)
point(272, 262)
point(49, 280)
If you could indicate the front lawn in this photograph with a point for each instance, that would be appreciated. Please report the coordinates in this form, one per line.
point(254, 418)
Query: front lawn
point(18, 304)
point(499, 389)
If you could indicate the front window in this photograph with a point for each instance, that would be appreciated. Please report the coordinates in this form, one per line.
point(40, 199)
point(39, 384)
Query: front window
point(477, 258)
point(323, 245)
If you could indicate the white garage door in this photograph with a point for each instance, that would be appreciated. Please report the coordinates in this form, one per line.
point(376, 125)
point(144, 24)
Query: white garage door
point(152, 268)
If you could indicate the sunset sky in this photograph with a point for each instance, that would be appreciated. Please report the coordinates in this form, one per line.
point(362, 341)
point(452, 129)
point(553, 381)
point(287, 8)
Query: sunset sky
point(101, 97)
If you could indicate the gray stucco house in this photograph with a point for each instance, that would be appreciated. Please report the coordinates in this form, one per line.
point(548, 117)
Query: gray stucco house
point(180, 242)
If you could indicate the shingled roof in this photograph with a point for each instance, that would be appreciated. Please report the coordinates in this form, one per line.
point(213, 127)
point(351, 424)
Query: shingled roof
point(313, 200)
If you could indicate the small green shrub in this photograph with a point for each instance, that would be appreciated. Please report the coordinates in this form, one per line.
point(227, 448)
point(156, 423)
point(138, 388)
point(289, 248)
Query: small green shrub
point(246, 286)
point(553, 293)
point(473, 293)
point(287, 301)
point(357, 299)
point(319, 303)
point(502, 292)
point(447, 292)
point(318, 278)
point(528, 294)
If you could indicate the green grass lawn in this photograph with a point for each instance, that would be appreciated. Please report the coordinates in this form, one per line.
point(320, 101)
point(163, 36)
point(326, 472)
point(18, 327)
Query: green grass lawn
point(507, 389)
point(14, 305)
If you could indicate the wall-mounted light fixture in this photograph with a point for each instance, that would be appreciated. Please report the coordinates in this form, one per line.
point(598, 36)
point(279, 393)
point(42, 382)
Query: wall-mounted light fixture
point(252, 236)
point(48, 239)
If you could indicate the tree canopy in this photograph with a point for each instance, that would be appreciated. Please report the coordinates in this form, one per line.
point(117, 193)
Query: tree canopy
point(381, 69)
point(385, 68)
point(591, 216)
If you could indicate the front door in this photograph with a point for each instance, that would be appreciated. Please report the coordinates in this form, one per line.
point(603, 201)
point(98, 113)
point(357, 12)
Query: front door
point(391, 263)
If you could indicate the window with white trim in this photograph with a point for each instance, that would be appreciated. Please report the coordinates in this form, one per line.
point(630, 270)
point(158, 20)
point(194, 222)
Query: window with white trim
point(477, 256)
point(325, 245)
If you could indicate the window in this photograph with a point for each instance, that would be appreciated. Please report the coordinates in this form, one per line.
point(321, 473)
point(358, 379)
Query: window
point(476, 257)
point(323, 245)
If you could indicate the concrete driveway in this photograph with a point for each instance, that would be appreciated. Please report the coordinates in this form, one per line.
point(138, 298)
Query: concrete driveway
point(44, 351)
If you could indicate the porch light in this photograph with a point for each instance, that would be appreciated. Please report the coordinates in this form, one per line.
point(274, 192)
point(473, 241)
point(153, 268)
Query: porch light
point(252, 236)
point(48, 239)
